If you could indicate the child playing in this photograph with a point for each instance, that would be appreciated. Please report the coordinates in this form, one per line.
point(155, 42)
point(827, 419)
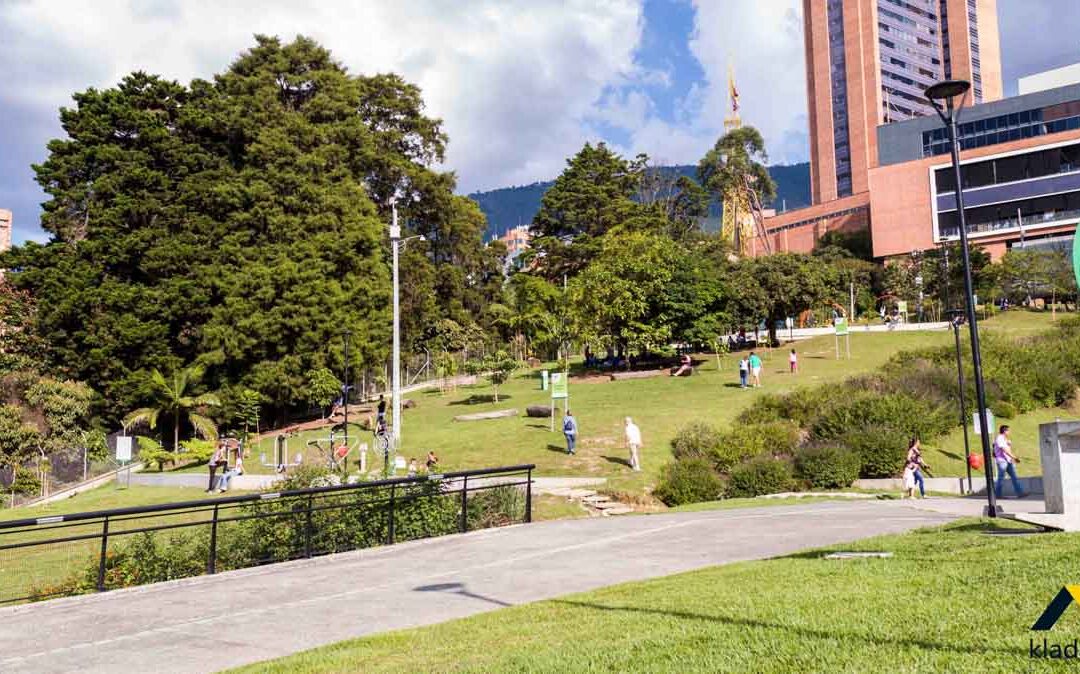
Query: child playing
point(793, 361)
point(909, 479)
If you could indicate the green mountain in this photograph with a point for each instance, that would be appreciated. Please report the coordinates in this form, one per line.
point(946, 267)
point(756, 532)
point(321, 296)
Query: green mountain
point(507, 207)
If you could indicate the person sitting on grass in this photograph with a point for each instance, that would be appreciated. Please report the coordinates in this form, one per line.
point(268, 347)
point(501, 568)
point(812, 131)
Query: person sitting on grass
point(685, 366)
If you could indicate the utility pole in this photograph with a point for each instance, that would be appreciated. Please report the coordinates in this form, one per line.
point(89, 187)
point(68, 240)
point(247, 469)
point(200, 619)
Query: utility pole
point(395, 240)
point(345, 388)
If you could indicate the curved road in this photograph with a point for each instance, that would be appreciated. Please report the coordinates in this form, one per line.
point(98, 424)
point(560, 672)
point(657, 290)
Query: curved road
point(213, 622)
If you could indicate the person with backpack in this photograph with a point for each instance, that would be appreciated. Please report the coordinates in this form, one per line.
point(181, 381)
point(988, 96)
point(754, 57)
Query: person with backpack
point(570, 430)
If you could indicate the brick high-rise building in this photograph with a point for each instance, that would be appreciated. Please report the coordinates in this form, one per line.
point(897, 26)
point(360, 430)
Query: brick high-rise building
point(868, 63)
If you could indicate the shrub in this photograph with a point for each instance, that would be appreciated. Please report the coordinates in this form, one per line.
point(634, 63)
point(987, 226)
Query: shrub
point(828, 467)
point(761, 475)
point(198, 451)
point(882, 450)
point(897, 410)
point(695, 440)
point(688, 481)
point(25, 481)
point(1004, 410)
point(746, 441)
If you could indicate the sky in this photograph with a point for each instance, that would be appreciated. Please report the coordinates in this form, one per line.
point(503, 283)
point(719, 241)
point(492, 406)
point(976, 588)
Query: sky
point(520, 84)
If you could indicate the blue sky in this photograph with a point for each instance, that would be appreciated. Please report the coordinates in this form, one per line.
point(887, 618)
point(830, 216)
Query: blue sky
point(520, 84)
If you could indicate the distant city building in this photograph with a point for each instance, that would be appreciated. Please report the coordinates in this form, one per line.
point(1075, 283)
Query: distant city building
point(868, 63)
point(517, 242)
point(5, 230)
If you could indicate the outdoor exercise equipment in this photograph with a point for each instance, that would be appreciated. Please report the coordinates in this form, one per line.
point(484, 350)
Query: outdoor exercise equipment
point(335, 448)
point(281, 455)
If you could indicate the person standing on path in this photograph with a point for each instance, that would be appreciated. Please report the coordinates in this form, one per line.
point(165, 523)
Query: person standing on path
point(633, 443)
point(755, 369)
point(1006, 463)
point(215, 460)
point(915, 461)
point(569, 429)
point(793, 362)
point(744, 372)
point(381, 416)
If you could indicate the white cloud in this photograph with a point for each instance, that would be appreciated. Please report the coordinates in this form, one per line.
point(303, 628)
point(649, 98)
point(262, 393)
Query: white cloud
point(763, 40)
point(514, 80)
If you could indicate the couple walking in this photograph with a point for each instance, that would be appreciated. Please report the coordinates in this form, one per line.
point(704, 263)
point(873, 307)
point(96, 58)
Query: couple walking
point(750, 368)
point(632, 435)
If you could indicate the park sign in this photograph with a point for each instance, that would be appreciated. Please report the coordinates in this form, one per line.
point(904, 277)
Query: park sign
point(841, 325)
point(559, 385)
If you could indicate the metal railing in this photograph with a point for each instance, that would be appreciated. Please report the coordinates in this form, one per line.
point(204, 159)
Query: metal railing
point(102, 550)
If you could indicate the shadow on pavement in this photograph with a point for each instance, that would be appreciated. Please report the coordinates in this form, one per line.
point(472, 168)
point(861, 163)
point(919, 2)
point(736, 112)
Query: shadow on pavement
point(458, 588)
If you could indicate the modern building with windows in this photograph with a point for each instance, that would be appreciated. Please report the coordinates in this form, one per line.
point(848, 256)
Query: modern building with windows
point(868, 63)
point(1020, 167)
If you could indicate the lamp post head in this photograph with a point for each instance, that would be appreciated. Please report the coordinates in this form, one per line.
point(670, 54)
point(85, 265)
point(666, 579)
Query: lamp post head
point(947, 90)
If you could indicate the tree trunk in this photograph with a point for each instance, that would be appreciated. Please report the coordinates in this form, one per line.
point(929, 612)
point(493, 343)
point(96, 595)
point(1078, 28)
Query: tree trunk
point(176, 439)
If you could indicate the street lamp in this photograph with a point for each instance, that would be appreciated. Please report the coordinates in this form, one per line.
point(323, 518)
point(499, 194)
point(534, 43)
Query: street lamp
point(397, 244)
point(956, 319)
point(951, 93)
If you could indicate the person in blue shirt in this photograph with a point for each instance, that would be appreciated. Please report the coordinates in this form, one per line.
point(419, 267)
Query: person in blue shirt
point(569, 429)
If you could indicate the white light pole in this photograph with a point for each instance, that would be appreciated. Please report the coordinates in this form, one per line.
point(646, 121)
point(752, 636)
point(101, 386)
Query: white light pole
point(395, 239)
point(396, 244)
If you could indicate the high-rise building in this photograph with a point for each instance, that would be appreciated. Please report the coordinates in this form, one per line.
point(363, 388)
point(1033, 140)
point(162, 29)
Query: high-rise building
point(868, 63)
point(5, 230)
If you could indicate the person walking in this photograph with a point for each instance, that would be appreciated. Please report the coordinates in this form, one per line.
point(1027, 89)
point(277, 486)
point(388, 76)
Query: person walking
point(381, 415)
point(755, 369)
point(633, 443)
point(570, 430)
point(1006, 463)
point(216, 460)
point(432, 461)
point(744, 372)
point(915, 461)
point(793, 362)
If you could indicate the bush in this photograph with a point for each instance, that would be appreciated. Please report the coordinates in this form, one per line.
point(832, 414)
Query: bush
point(695, 440)
point(914, 416)
point(1004, 410)
point(761, 475)
point(828, 467)
point(689, 481)
point(197, 451)
point(747, 441)
point(25, 481)
point(882, 450)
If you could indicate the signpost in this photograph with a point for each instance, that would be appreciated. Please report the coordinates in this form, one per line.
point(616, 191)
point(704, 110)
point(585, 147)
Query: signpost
point(841, 325)
point(123, 457)
point(559, 389)
point(989, 422)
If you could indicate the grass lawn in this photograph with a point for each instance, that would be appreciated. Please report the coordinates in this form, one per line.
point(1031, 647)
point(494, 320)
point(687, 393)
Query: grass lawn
point(953, 599)
point(108, 496)
point(659, 405)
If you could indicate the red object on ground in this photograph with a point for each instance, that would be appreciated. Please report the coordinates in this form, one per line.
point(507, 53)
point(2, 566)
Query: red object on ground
point(975, 461)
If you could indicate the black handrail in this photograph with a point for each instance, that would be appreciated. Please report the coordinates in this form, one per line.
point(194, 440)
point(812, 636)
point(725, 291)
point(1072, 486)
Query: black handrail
point(247, 498)
point(388, 496)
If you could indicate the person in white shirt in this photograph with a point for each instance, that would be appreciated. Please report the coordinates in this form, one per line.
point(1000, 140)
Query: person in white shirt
point(633, 443)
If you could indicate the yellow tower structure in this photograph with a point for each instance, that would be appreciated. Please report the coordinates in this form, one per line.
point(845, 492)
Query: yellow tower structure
point(737, 223)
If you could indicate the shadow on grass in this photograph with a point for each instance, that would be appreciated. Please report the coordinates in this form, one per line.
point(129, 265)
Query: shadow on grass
point(732, 385)
point(619, 460)
point(480, 399)
point(798, 632)
point(556, 448)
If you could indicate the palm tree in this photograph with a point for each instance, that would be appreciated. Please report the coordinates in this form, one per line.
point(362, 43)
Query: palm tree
point(172, 398)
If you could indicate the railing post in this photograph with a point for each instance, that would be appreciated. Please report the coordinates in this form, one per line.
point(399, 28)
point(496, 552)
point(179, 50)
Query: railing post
point(101, 560)
point(463, 526)
point(307, 528)
point(211, 562)
point(390, 528)
point(528, 498)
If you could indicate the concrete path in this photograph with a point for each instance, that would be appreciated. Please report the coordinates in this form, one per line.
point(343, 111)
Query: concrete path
point(210, 623)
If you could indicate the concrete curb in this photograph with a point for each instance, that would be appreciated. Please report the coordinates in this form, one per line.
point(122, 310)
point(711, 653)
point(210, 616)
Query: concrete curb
point(951, 485)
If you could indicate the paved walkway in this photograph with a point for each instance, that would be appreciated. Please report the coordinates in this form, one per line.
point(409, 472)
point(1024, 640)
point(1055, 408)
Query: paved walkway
point(206, 624)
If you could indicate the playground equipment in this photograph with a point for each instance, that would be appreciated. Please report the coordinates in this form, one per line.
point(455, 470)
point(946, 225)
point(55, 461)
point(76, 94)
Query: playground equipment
point(281, 455)
point(334, 449)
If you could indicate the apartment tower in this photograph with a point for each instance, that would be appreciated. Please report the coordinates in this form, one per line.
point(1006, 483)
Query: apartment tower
point(868, 63)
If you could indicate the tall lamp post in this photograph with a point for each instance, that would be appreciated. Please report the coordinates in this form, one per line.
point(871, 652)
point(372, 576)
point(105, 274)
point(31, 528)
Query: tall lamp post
point(947, 97)
point(956, 319)
point(397, 244)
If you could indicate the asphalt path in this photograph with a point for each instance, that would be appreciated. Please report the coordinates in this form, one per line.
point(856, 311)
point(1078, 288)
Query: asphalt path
point(214, 622)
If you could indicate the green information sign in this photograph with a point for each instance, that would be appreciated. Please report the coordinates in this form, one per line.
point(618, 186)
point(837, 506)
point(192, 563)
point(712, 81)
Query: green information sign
point(559, 385)
point(901, 305)
point(841, 326)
